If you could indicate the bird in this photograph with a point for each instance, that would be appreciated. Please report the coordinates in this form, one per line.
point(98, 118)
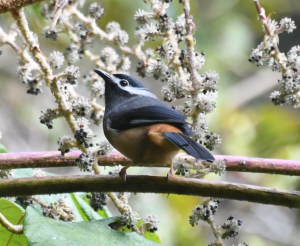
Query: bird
point(143, 128)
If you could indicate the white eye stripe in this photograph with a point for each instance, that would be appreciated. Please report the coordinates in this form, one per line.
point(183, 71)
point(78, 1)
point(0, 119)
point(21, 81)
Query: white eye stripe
point(138, 91)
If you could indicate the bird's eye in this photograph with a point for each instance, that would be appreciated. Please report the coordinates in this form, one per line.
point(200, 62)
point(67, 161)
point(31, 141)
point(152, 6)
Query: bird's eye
point(124, 82)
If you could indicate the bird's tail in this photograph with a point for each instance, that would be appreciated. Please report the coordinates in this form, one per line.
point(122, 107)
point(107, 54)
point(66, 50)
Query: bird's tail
point(189, 145)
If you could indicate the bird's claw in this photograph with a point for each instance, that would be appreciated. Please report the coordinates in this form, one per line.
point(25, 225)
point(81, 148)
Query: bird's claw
point(123, 175)
point(169, 175)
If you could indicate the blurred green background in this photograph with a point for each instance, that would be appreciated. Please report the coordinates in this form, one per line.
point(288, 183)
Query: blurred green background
point(245, 118)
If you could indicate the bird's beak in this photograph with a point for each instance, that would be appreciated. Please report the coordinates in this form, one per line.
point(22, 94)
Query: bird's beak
point(104, 75)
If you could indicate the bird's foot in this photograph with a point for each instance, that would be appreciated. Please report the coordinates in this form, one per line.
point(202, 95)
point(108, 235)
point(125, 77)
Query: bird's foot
point(170, 174)
point(123, 175)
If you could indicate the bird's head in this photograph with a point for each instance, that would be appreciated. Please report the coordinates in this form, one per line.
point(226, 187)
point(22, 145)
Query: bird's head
point(121, 87)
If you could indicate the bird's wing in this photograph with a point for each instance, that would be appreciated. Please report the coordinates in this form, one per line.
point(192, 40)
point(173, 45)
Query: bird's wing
point(141, 111)
point(189, 145)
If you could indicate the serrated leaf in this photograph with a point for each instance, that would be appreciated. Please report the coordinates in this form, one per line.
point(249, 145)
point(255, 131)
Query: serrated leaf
point(14, 214)
point(49, 232)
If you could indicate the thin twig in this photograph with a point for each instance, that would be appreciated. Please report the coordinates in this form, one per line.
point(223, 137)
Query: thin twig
point(262, 16)
point(219, 240)
point(115, 200)
point(51, 81)
point(39, 201)
point(16, 229)
point(189, 40)
point(103, 35)
point(277, 55)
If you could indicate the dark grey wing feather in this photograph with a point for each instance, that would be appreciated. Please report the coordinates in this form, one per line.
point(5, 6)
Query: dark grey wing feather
point(141, 111)
point(188, 145)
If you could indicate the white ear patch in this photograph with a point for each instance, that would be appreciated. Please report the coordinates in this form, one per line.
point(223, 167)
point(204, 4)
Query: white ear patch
point(138, 91)
point(135, 90)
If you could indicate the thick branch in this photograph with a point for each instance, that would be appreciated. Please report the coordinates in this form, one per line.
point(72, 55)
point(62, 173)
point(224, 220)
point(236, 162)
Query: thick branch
point(233, 163)
point(149, 184)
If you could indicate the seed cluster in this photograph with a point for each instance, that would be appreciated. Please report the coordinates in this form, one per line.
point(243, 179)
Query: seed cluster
point(47, 118)
point(204, 212)
point(60, 210)
point(85, 162)
point(287, 64)
point(97, 200)
point(231, 227)
point(130, 219)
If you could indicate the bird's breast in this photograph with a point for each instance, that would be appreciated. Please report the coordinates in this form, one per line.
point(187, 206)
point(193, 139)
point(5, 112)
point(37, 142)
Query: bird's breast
point(132, 143)
point(143, 145)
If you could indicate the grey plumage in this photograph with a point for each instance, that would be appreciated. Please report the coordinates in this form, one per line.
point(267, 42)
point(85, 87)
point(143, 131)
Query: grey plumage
point(135, 122)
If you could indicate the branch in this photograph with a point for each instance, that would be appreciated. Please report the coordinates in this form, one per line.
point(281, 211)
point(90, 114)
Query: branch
point(190, 44)
point(233, 163)
point(51, 80)
point(149, 184)
point(213, 227)
point(11, 5)
point(17, 229)
point(262, 16)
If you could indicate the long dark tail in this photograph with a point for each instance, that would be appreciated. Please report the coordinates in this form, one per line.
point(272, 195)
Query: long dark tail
point(188, 145)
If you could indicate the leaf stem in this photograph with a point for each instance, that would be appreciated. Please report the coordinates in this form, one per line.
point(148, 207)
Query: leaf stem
point(16, 229)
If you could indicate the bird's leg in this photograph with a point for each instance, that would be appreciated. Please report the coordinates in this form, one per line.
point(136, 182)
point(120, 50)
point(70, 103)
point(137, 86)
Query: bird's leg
point(170, 173)
point(123, 174)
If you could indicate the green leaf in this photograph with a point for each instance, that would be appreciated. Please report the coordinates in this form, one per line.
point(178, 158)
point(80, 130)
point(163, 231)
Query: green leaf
point(149, 235)
point(44, 231)
point(23, 173)
point(106, 212)
point(152, 236)
point(80, 210)
point(14, 214)
point(87, 210)
point(3, 149)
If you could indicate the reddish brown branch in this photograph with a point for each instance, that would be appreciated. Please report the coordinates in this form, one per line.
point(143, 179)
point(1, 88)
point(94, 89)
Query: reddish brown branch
point(260, 165)
point(262, 16)
point(233, 163)
point(149, 184)
point(53, 159)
